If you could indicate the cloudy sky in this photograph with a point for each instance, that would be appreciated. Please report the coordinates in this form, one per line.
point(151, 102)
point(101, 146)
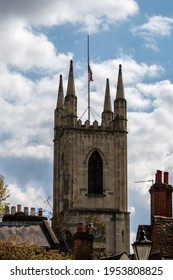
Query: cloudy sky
point(38, 39)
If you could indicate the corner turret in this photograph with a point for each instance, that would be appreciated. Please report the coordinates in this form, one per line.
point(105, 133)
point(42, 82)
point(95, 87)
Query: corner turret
point(107, 114)
point(60, 105)
point(70, 103)
point(120, 106)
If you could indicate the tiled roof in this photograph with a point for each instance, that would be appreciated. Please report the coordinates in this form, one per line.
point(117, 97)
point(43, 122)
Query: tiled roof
point(37, 232)
point(164, 229)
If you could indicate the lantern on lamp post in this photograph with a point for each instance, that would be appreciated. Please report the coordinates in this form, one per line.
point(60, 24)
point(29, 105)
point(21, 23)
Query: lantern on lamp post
point(142, 246)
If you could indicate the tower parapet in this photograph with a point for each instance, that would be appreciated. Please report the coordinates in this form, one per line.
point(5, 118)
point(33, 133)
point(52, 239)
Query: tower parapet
point(66, 109)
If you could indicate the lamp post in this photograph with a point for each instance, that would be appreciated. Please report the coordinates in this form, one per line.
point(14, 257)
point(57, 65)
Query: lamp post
point(142, 246)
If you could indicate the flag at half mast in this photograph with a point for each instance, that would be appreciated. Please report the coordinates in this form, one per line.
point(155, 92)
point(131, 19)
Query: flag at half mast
point(90, 78)
point(90, 75)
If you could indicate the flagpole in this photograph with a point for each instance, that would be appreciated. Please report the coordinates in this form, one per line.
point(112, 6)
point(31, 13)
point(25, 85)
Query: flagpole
point(88, 82)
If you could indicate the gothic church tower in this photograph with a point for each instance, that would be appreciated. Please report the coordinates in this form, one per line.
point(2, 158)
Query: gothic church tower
point(90, 169)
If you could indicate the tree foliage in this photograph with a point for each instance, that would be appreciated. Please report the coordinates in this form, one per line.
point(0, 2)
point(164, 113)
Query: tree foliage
point(23, 251)
point(4, 194)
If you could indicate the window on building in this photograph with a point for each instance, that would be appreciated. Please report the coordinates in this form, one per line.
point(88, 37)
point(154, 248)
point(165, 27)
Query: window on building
point(95, 174)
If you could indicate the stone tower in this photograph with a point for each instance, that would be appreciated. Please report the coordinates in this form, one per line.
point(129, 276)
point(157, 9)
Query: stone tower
point(90, 170)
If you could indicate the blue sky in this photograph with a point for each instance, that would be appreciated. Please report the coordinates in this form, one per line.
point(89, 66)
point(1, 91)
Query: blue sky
point(38, 39)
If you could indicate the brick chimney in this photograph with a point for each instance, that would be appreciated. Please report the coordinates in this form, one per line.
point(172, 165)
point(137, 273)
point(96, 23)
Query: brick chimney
point(83, 243)
point(161, 195)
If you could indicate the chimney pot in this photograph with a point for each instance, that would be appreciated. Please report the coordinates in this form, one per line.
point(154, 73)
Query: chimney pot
point(40, 212)
point(13, 210)
point(7, 210)
point(32, 211)
point(166, 178)
point(26, 211)
point(159, 176)
point(18, 208)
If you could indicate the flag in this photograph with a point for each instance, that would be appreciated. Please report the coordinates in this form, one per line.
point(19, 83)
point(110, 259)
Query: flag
point(90, 75)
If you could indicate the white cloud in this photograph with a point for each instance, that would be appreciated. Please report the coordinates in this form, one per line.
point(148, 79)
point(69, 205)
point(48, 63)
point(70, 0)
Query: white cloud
point(150, 138)
point(156, 27)
point(22, 48)
point(55, 12)
point(132, 210)
point(26, 115)
point(133, 72)
point(32, 196)
point(30, 50)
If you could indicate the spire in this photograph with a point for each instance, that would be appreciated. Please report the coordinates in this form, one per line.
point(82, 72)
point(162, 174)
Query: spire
point(70, 102)
point(60, 105)
point(107, 102)
point(60, 100)
point(70, 86)
point(107, 114)
point(120, 86)
point(120, 106)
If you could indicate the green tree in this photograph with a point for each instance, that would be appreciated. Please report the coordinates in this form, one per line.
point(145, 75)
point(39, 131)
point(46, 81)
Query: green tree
point(23, 251)
point(4, 194)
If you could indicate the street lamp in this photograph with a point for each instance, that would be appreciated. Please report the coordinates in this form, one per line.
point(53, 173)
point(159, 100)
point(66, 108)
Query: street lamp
point(142, 246)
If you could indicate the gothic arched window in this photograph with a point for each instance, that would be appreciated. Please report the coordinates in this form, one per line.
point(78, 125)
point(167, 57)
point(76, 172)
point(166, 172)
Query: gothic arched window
point(95, 174)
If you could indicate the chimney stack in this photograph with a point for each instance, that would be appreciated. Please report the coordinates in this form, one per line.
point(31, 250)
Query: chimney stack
point(161, 196)
point(166, 178)
point(82, 243)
